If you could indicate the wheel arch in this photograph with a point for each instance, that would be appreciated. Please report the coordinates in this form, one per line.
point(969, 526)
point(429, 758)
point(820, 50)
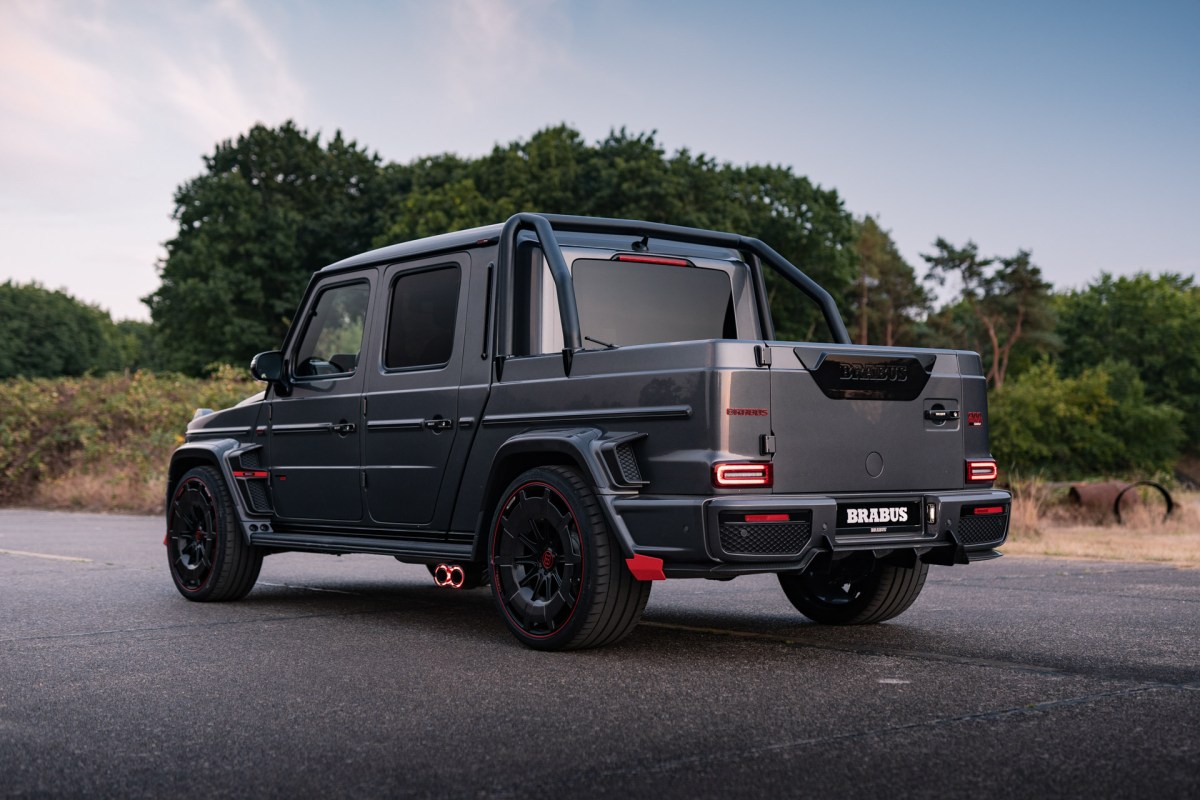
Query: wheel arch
point(578, 448)
point(206, 454)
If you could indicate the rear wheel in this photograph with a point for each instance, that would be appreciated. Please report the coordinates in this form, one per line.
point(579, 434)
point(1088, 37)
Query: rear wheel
point(556, 570)
point(854, 591)
point(207, 556)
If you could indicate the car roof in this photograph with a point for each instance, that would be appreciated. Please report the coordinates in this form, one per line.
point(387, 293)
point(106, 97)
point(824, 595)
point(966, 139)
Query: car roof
point(457, 240)
point(490, 234)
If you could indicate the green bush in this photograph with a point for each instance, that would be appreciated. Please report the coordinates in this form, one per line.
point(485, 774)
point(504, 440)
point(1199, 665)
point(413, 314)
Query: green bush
point(119, 427)
point(1098, 423)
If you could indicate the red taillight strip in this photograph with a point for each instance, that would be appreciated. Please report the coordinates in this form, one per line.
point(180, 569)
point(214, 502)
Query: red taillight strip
point(981, 471)
point(251, 474)
point(988, 510)
point(668, 262)
point(750, 474)
point(767, 518)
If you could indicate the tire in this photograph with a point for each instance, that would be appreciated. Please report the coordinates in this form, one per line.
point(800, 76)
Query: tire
point(854, 591)
point(556, 570)
point(206, 554)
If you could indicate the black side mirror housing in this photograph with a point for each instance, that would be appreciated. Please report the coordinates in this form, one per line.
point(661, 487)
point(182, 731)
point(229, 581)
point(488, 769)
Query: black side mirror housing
point(269, 367)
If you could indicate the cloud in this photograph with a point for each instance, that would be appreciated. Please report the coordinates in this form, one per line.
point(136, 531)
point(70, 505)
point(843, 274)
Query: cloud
point(484, 49)
point(233, 75)
point(79, 79)
point(49, 90)
point(104, 108)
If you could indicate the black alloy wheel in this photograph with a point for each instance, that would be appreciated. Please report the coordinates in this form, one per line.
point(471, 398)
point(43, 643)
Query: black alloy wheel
point(556, 574)
point(206, 554)
point(192, 539)
point(538, 558)
point(854, 591)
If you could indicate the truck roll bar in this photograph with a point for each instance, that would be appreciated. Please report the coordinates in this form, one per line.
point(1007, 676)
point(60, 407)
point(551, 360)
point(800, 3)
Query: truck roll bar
point(544, 225)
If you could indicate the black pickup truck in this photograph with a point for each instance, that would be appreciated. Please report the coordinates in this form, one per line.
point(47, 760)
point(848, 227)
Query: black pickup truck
point(568, 409)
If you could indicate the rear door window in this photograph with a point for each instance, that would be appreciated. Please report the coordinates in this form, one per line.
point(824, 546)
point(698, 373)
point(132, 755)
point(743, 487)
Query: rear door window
point(421, 321)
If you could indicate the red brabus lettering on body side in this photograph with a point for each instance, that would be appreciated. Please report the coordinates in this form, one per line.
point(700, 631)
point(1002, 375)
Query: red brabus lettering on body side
point(747, 412)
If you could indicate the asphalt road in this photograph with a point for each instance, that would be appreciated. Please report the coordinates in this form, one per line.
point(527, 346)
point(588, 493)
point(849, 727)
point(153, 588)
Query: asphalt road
point(355, 676)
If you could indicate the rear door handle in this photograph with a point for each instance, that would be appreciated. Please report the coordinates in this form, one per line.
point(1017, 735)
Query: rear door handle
point(438, 424)
point(344, 428)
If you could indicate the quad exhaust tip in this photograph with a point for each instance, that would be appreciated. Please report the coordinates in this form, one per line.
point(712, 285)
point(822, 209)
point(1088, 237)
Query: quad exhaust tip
point(450, 576)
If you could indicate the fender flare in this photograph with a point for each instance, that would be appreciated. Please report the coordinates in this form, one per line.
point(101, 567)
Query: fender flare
point(585, 447)
point(216, 454)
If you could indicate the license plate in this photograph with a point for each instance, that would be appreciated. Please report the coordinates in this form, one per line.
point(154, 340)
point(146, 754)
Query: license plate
point(876, 517)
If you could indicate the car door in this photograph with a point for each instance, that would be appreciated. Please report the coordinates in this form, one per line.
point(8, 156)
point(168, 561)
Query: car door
point(412, 398)
point(314, 437)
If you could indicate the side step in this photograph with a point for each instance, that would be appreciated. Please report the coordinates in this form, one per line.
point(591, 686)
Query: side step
point(438, 551)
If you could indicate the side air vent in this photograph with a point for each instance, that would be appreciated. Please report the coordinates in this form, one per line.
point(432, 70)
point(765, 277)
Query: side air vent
point(622, 464)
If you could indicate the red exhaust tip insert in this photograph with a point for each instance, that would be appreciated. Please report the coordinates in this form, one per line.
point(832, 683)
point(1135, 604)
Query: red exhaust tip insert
point(749, 474)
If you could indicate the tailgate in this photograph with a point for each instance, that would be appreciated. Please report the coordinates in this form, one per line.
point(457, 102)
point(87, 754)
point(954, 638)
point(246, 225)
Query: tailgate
point(862, 419)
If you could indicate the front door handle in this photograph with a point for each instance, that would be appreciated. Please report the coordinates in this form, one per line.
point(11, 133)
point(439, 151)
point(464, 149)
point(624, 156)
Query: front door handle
point(438, 424)
point(344, 428)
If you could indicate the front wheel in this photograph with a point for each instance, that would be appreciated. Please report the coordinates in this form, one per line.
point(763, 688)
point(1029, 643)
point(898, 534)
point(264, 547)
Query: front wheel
point(556, 570)
point(854, 591)
point(207, 556)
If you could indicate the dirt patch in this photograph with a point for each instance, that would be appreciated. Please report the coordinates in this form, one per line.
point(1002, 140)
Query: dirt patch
point(1044, 525)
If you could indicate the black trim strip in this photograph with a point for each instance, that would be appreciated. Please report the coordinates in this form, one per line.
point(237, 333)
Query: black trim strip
point(395, 425)
point(219, 431)
point(355, 544)
point(320, 427)
point(655, 412)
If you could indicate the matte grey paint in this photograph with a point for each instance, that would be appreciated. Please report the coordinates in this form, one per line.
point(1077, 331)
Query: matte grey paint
point(397, 485)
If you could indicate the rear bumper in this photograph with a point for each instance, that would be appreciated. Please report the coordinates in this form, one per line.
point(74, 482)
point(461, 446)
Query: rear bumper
point(731, 535)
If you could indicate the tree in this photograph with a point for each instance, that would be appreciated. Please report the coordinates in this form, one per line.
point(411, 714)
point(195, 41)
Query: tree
point(1007, 297)
point(630, 176)
point(49, 333)
point(1152, 323)
point(1095, 424)
point(888, 295)
point(276, 205)
point(269, 210)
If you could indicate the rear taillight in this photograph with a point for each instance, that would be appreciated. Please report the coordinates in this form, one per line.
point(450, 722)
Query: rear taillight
point(983, 511)
point(981, 471)
point(745, 474)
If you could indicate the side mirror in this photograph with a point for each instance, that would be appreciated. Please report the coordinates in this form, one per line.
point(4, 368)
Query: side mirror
point(267, 366)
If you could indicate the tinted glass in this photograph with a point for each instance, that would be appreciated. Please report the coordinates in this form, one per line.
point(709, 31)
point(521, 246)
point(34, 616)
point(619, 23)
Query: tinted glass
point(624, 303)
point(333, 338)
point(423, 315)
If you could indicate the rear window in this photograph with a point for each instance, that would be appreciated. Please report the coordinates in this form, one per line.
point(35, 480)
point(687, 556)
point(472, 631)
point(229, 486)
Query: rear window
point(625, 303)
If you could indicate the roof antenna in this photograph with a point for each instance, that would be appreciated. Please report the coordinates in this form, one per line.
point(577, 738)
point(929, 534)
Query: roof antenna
point(642, 245)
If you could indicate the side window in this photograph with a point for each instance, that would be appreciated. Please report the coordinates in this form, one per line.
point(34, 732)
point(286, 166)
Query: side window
point(422, 319)
point(333, 337)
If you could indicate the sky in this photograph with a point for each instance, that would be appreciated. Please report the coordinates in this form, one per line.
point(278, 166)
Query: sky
point(1071, 129)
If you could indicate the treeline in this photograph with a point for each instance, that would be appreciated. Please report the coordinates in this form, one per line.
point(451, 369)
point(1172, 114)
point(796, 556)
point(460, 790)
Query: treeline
point(1101, 380)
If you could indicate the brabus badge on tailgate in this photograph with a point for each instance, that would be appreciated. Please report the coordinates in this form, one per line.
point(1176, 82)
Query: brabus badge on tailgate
point(873, 372)
point(849, 376)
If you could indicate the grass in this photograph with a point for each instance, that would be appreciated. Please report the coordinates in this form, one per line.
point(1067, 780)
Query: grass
point(1044, 523)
